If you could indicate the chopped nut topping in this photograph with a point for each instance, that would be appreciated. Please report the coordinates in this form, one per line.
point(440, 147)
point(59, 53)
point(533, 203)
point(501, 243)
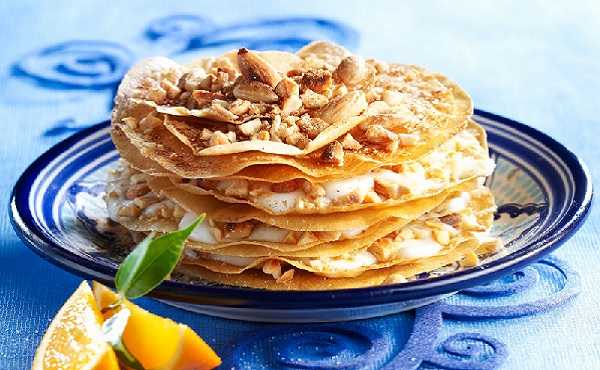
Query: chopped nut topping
point(452, 219)
point(312, 127)
point(343, 107)
point(218, 138)
point(313, 191)
point(130, 210)
point(382, 249)
point(312, 100)
point(291, 104)
point(378, 134)
point(286, 277)
point(262, 135)
point(254, 67)
point(319, 81)
point(351, 70)
point(298, 139)
point(137, 190)
point(350, 143)
point(442, 236)
point(239, 107)
point(333, 154)
point(272, 267)
point(251, 127)
point(287, 87)
point(203, 97)
point(254, 91)
point(389, 190)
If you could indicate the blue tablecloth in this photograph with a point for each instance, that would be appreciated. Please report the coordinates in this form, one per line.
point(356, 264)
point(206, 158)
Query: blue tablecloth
point(536, 62)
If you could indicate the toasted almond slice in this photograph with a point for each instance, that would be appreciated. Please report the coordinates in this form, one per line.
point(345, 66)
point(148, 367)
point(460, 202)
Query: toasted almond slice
point(254, 67)
point(343, 108)
point(254, 91)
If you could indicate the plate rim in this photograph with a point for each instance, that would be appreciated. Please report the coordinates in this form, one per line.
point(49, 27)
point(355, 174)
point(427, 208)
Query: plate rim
point(21, 219)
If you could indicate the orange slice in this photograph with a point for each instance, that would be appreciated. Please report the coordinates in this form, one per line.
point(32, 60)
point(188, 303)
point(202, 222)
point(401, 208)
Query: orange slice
point(74, 338)
point(157, 342)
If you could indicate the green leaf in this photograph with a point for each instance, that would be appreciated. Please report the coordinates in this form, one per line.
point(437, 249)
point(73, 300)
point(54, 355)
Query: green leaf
point(112, 330)
point(151, 262)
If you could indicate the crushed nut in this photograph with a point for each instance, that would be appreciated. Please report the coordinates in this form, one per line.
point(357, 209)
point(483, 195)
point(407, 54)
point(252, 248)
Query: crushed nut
point(254, 91)
point(239, 107)
point(452, 219)
point(319, 81)
point(291, 104)
point(333, 154)
point(442, 236)
point(297, 139)
point(262, 135)
point(254, 67)
point(130, 210)
point(470, 260)
point(218, 138)
point(382, 249)
point(343, 107)
point(378, 134)
point(350, 143)
point(251, 127)
point(350, 71)
point(312, 127)
point(287, 87)
point(204, 97)
point(272, 267)
point(286, 277)
point(312, 100)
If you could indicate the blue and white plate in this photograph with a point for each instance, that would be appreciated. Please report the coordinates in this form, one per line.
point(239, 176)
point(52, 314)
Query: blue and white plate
point(542, 189)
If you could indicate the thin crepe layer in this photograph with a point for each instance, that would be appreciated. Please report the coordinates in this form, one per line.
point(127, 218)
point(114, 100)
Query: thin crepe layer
point(303, 280)
point(481, 204)
point(341, 221)
point(480, 134)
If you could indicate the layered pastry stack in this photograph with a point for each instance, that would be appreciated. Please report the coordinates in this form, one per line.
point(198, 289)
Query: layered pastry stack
point(316, 170)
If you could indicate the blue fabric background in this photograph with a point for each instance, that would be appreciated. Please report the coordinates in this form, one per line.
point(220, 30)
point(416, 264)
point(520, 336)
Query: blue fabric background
point(536, 62)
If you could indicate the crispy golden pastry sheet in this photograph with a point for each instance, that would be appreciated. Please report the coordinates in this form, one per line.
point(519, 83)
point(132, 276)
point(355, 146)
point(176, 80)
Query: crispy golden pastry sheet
point(236, 113)
point(303, 280)
point(339, 221)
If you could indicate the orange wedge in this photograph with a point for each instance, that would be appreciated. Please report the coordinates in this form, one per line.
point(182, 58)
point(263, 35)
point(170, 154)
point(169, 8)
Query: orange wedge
point(74, 338)
point(157, 342)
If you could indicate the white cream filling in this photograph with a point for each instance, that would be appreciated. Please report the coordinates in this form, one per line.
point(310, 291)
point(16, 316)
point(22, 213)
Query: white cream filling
point(352, 233)
point(448, 158)
point(280, 202)
point(346, 263)
point(201, 233)
point(458, 203)
point(417, 248)
point(267, 233)
point(341, 188)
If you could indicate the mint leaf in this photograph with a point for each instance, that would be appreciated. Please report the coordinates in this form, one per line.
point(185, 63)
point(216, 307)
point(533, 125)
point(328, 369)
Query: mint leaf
point(112, 330)
point(151, 262)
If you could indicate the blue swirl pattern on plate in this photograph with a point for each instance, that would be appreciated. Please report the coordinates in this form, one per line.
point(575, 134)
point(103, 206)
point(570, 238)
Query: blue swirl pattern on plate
point(357, 346)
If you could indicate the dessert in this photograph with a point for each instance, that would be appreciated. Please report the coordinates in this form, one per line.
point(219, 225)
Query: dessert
point(316, 170)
